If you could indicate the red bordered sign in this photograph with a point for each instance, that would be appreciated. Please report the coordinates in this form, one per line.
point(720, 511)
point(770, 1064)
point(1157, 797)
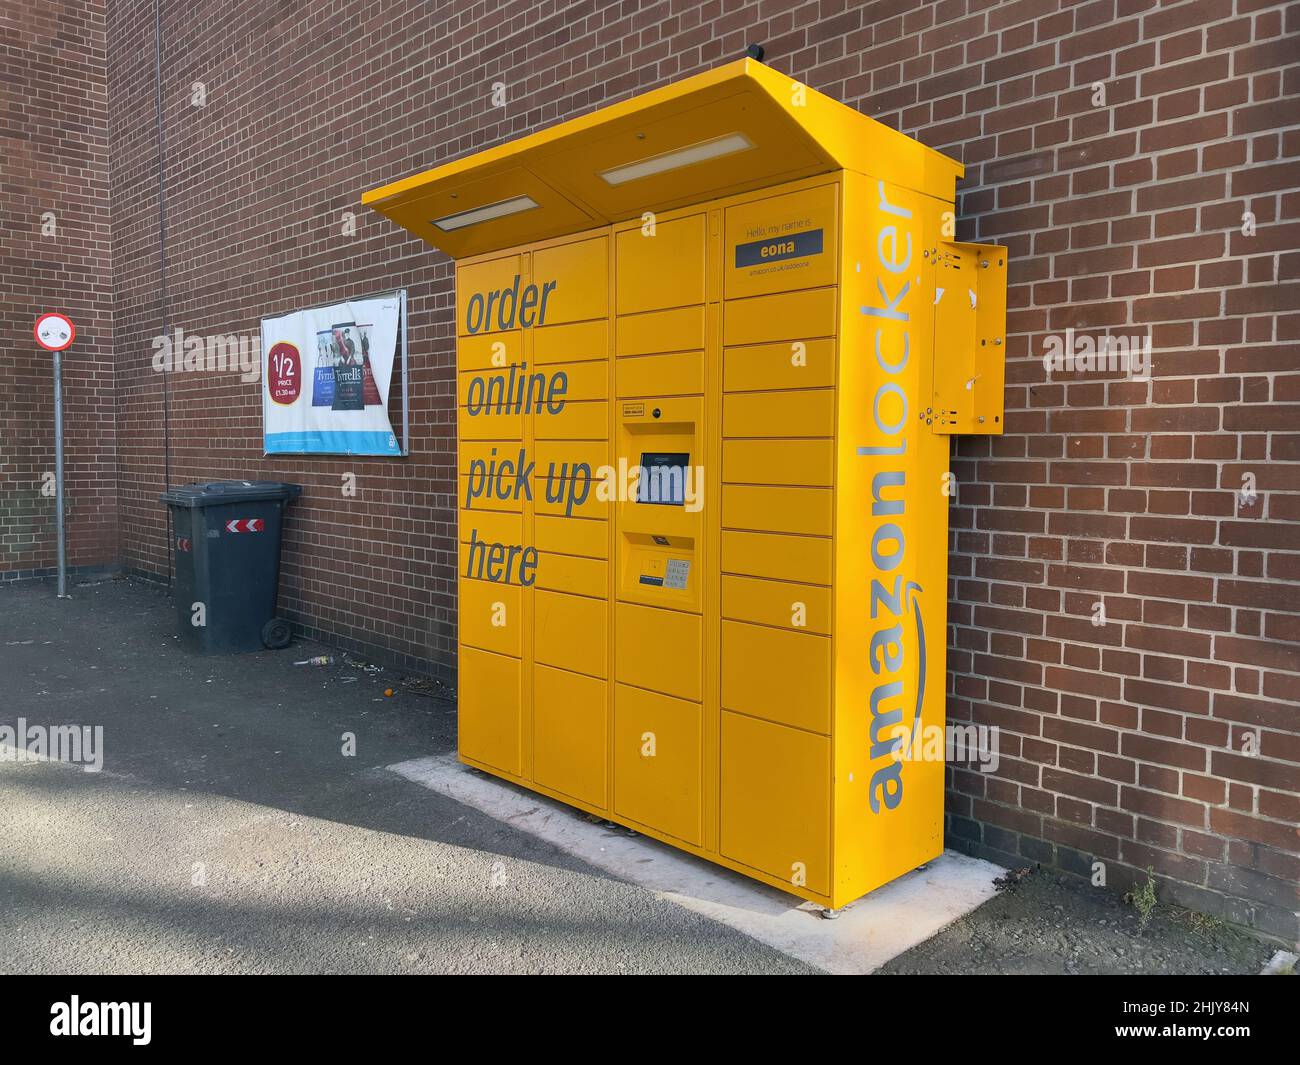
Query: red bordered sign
point(54, 331)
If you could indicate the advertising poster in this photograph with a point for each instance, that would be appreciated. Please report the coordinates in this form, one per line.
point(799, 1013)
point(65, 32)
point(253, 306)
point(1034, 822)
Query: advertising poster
point(326, 374)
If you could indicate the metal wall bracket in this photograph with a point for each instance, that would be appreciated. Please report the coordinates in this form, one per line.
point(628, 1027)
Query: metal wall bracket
point(970, 326)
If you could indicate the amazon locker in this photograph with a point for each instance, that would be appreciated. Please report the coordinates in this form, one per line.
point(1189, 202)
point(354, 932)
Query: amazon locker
point(712, 344)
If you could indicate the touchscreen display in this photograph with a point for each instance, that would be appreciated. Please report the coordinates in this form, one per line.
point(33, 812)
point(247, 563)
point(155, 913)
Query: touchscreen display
point(663, 478)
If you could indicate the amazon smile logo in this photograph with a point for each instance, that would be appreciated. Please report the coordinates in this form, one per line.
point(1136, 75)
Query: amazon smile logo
point(906, 749)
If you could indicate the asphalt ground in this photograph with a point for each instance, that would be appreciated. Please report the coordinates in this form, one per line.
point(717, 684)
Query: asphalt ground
point(227, 831)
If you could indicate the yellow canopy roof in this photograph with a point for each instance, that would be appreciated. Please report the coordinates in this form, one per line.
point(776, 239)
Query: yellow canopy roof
point(742, 126)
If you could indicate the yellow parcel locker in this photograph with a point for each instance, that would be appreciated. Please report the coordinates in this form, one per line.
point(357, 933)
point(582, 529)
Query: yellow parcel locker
point(713, 342)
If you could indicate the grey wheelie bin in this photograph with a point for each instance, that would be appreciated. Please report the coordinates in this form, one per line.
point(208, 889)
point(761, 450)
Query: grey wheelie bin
point(227, 548)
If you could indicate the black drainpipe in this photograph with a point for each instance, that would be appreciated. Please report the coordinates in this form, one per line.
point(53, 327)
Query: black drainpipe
point(162, 275)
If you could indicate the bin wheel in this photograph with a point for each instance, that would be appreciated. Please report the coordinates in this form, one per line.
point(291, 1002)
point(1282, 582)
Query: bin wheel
point(276, 634)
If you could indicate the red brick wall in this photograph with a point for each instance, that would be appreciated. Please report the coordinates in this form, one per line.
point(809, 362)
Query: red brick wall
point(55, 255)
point(1121, 742)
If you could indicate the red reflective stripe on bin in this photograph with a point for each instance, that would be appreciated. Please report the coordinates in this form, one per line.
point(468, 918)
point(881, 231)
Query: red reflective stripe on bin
point(245, 525)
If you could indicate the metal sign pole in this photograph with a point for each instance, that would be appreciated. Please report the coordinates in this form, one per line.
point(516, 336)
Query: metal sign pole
point(58, 473)
point(55, 332)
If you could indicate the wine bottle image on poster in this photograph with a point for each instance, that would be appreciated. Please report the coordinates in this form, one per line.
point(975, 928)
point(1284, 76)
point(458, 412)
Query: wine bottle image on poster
point(322, 386)
point(348, 391)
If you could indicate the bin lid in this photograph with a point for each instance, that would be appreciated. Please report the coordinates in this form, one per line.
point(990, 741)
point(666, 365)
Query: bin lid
point(215, 493)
